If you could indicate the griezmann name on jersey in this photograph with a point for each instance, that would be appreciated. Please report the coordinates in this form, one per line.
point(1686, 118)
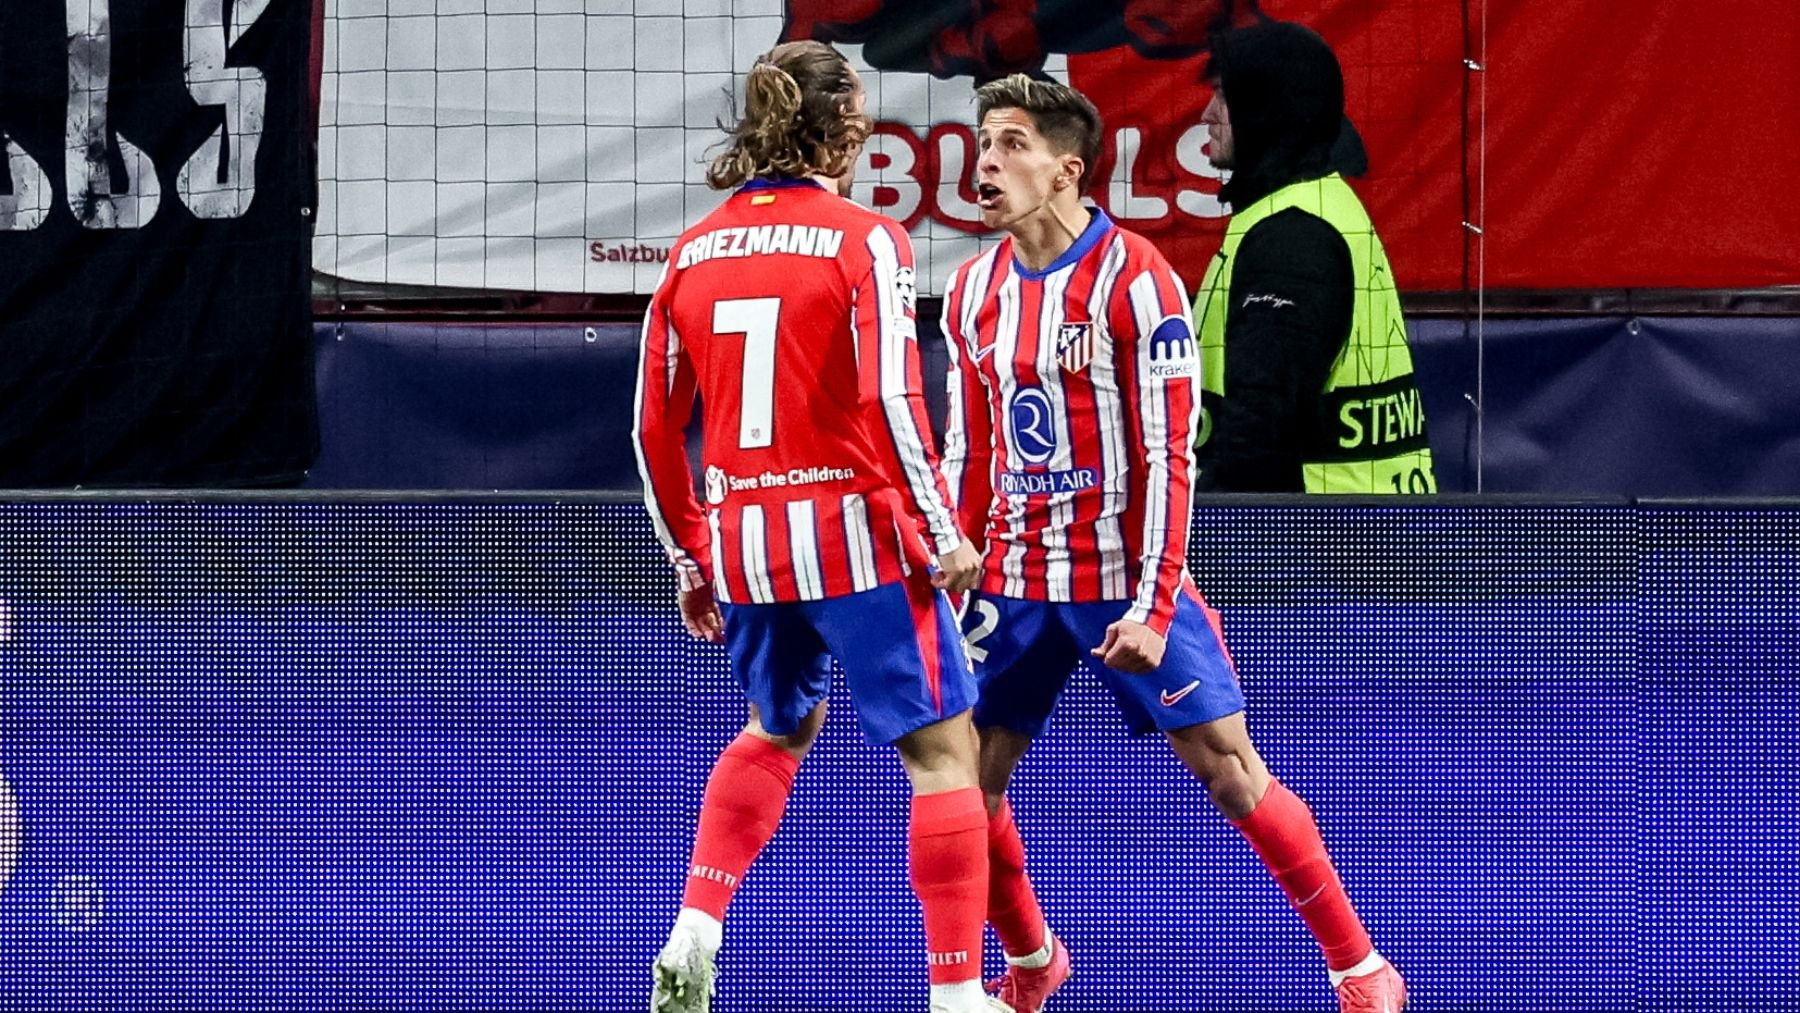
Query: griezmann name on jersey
point(1073, 398)
point(789, 314)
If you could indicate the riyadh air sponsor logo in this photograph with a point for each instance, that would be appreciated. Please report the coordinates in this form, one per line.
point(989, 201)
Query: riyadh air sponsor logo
point(1047, 483)
point(1034, 430)
point(1172, 349)
point(1171, 699)
point(1075, 346)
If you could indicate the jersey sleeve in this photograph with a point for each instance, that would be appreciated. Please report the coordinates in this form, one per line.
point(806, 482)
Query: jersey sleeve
point(890, 375)
point(666, 386)
point(1168, 408)
point(969, 431)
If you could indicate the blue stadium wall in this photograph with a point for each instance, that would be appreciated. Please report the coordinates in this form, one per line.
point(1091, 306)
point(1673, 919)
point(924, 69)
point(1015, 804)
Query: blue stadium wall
point(1614, 406)
point(271, 753)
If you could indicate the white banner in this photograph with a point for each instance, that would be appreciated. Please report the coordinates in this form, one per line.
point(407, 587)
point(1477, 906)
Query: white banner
point(560, 145)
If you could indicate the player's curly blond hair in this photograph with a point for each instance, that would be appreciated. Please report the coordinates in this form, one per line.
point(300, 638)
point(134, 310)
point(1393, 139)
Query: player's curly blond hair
point(797, 121)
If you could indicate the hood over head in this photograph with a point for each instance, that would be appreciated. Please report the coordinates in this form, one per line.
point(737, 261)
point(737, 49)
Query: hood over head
point(1285, 92)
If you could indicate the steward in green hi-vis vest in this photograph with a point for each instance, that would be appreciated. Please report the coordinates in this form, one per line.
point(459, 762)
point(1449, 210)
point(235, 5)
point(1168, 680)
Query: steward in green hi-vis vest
point(1367, 432)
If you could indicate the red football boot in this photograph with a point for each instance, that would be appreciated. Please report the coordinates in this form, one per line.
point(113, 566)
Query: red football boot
point(1024, 989)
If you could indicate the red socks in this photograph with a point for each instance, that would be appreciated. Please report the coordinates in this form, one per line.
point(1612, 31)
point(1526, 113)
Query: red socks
point(968, 869)
point(1282, 830)
point(950, 875)
point(1012, 906)
point(748, 792)
point(745, 797)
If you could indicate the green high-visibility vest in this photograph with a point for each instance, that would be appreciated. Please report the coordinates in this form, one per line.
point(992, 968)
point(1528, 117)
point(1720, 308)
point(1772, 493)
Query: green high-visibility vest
point(1367, 432)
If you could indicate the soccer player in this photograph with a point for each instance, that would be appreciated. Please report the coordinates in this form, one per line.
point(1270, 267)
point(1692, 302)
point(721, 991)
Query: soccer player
point(1072, 402)
point(827, 530)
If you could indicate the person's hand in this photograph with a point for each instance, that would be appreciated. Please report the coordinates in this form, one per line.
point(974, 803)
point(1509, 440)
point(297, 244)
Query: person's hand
point(700, 614)
point(1131, 647)
point(959, 569)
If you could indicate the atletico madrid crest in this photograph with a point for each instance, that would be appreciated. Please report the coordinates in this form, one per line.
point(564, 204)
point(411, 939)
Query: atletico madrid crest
point(1075, 346)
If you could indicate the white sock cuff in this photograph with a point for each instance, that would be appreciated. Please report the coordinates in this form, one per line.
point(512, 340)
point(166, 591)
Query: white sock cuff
point(1040, 958)
point(709, 931)
point(1368, 965)
point(958, 996)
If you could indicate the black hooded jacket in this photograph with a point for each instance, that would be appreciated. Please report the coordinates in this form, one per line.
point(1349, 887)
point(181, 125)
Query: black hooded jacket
point(1292, 286)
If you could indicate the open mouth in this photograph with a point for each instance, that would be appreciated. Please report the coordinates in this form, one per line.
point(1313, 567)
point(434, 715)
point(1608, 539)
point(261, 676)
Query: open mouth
point(988, 196)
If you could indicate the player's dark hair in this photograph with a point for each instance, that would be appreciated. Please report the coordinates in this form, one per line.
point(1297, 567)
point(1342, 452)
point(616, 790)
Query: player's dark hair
point(797, 100)
point(1063, 115)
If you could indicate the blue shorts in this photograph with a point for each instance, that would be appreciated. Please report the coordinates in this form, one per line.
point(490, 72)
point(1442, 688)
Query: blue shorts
point(1025, 651)
point(898, 644)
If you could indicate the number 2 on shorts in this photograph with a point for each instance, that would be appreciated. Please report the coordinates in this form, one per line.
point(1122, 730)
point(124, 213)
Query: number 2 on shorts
point(990, 620)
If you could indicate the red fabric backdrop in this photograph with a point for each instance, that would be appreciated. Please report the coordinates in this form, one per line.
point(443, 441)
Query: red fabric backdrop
point(1629, 143)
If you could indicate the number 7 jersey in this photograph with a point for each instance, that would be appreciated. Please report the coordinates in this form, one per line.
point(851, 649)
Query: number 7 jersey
point(788, 313)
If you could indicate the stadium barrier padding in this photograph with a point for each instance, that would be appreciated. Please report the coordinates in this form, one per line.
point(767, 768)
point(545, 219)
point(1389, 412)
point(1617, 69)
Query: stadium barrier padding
point(275, 752)
point(1615, 406)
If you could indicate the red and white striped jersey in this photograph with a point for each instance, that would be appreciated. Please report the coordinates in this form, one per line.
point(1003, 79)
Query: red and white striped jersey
point(789, 312)
point(1073, 397)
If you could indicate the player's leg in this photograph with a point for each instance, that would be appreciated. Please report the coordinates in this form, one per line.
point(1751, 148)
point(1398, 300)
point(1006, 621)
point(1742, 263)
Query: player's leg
point(1037, 961)
point(746, 796)
point(1221, 755)
point(907, 673)
point(1023, 659)
point(947, 842)
point(1198, 706)
point(1280, 826)
point(781, 665)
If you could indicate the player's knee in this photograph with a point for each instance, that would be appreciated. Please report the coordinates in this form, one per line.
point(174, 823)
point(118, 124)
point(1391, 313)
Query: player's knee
point(1232, 788)
point(937, 759)
point(808, 732)
point(797, 742)
point(798, 745)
